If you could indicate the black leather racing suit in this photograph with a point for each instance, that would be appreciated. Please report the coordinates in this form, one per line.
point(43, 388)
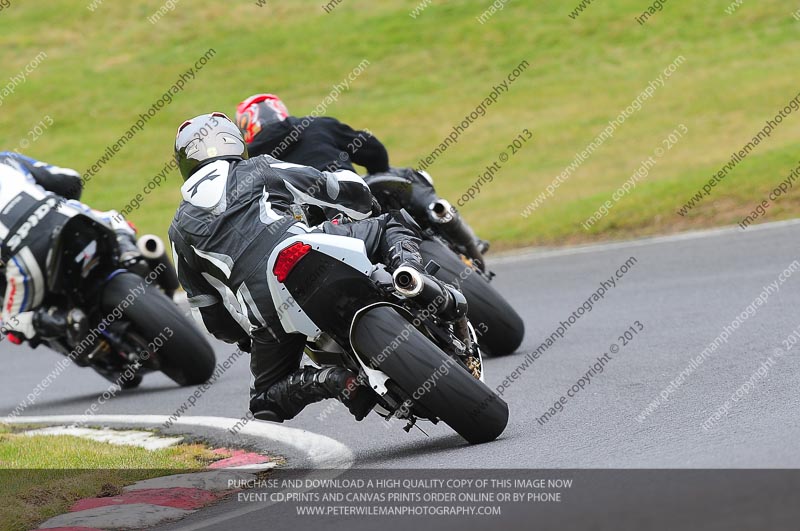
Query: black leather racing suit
point(323, 143)
point(327, 144)
point(234, 212)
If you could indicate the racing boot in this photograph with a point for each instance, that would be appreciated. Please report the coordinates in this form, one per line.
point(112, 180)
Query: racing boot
point(285, 399)
point(77, 326)
point(50, 323)
point(53, 323)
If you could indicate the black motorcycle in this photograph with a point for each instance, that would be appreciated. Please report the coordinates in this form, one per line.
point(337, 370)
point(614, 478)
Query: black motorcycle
point(450, 242)
point(129, 325)
point(387, 329)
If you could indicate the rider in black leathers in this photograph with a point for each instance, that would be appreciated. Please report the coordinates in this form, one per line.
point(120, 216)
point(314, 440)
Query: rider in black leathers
point(235, 210)
point(321, 142)
point(325, 143)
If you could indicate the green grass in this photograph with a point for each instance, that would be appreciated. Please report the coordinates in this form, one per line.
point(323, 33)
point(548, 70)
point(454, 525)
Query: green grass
point(425, 74)
point(42, 476)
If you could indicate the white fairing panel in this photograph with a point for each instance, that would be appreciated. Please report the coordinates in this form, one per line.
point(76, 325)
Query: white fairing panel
point(350, 251)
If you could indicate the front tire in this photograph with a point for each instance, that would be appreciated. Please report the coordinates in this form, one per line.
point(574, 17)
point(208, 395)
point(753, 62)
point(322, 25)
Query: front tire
point(434, 380)
point(186, 357)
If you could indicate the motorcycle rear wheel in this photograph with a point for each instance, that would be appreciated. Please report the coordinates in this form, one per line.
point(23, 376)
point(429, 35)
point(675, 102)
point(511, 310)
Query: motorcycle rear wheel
point(430, 377)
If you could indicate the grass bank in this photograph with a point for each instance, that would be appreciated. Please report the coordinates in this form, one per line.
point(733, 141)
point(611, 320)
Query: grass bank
point(425, 73)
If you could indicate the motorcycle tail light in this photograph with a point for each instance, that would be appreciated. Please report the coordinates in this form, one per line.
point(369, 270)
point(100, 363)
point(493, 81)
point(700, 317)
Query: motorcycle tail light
point(288, 258)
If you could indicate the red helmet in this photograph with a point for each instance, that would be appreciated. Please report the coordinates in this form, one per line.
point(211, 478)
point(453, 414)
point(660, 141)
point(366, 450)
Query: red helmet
point(257, 112)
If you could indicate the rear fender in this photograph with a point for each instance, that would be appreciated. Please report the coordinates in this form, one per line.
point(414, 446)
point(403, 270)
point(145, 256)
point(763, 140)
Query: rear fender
point(326, 287)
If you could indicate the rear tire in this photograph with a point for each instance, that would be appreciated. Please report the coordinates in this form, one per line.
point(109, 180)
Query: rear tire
point(441, 385)
point(499, 327)
point(185, 356)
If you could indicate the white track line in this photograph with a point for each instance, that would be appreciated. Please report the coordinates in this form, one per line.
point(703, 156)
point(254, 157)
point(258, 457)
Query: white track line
point(323, 452)
point(533, 253)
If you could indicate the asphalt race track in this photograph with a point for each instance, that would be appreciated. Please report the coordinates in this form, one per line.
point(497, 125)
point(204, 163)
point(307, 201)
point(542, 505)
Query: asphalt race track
point(683, 290)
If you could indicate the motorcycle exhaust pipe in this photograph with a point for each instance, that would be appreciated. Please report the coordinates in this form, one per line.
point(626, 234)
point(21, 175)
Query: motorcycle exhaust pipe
point(446, 217)
point(411, 283)
point(151, 246)
point(444, 302)
point(154, 252)
point(443, 212)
